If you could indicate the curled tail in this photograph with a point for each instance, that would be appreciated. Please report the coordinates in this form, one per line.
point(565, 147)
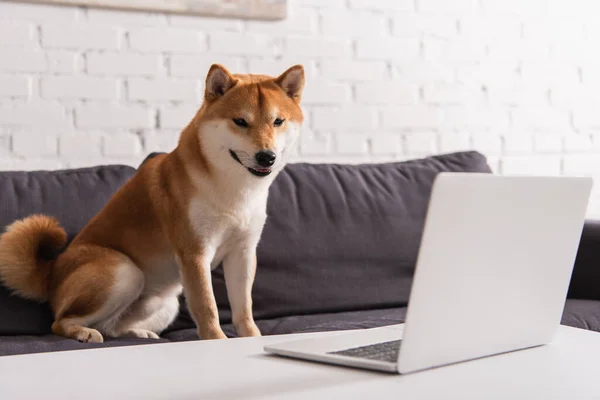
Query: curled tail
point(27, 255)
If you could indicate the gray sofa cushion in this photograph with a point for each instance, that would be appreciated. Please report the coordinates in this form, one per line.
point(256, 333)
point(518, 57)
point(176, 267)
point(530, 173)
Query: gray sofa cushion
point(74, 197)
point(584, 314)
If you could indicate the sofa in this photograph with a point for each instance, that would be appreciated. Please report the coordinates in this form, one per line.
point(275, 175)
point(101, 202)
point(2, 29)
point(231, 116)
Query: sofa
point(338, 250)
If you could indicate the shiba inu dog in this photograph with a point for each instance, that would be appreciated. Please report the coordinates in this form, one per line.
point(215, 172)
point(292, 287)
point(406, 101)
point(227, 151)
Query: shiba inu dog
point(181, 215)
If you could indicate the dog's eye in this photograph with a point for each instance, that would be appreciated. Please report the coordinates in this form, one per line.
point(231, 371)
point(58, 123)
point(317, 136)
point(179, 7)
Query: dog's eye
point(278, 121)
point(240, 122)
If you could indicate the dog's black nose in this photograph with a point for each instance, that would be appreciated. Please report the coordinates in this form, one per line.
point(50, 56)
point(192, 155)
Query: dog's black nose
point(265, 158)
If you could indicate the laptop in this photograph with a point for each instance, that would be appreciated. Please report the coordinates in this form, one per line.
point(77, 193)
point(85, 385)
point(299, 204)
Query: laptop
point(492, 275)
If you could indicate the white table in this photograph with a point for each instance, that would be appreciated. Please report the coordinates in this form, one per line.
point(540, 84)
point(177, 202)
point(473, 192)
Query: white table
point(569, 368)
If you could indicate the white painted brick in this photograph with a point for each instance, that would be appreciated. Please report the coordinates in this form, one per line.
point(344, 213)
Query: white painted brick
point(414, 24)
point(521, 8)
point(160, 141)
point(242, 44)
point(581, 164)
point(488, 143)
point(553, 29)
point(450, 93)
point(15, 86)
point(383, 5)
point(348, 118)
point(123, 144)
point(197, 66)
point(162, 89)
point(518, 144)
point(411, 117)
point(354, 70)
point(4, 146)
point(325, 92)
point(348, 144)
point(475, 117)
point(451, 142)
point(31, 164)
point(36, 12)
point(549, 165)
point(276, 68)
point(590, 73)
point(38, 113)
point(79, 145)
point(386, 144)
point(321, 4)
point(353, 24)
point(154, 40)
point(80, 36)
point(34, 144)
point(334, 158)
point(421, 72)
point(541, 118)
point(463, 49)
point(547, 143)
point(17, 34)
point(114, 17)
point(488, 73)
point(447, 7)
point(574, 8)
point(517, 50)
point(113, 116)
point(388, 93)
point(78, 87)
point(420, 143)
point(299, 21)
point(63, 62)
point(401, 49)
point(177, 117)
point(494, 27)
point(518, 93)
point(578, 143)
point(123, 64)
point(206, 24)
point(586, 117)
point(549, 73)
point(82, 162)
point(17, 60)
point(579, 51)
point(306, 46)
point(315, 144)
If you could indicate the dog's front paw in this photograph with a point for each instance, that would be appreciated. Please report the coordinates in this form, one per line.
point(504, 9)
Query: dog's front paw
point(210, 334)
point(247, 329)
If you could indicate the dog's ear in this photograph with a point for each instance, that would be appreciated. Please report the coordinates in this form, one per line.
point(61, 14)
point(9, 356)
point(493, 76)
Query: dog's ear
point(218, 81)
point(292, 82)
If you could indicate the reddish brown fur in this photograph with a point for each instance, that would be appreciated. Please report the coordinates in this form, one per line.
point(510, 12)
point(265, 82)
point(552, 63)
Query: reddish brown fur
point(146, 220)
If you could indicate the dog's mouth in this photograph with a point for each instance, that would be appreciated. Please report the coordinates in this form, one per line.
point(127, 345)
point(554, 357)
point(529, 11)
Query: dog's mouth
point(256, 171)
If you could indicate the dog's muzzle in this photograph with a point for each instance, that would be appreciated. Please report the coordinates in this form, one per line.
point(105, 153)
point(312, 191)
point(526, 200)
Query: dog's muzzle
point(261, 171)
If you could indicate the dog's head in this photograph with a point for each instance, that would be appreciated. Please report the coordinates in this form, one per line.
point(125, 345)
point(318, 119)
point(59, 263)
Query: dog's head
point(248, 123)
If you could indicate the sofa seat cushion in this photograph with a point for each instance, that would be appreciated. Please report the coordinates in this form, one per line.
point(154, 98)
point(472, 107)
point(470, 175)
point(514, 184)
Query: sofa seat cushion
point(584, 314)
point(25, 344)
point(310, 323)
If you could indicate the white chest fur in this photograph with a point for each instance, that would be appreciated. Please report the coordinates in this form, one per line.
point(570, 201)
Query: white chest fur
point(224, 227)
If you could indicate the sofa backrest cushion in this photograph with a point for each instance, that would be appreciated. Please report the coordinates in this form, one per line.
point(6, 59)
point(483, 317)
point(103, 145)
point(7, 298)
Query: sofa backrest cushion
point(344, 237)
point(73, 197)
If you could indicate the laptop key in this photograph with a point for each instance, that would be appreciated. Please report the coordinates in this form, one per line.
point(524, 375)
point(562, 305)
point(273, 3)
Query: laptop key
point(385, 351)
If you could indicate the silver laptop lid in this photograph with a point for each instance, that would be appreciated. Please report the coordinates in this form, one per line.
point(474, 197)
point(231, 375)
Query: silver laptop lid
point(494, 266)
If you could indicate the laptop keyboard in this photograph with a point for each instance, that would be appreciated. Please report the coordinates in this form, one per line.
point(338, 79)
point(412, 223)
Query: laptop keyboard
point(384, 351)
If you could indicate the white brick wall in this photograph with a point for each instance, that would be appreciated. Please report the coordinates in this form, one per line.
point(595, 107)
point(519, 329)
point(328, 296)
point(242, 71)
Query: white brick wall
point(386, 80)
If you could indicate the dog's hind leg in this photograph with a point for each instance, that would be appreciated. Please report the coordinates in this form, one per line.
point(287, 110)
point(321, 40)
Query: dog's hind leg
point(148, 316)
point(95, 295)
